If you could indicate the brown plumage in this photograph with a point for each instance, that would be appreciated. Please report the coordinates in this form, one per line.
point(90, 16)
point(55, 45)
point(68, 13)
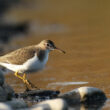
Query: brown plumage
point(21, 55)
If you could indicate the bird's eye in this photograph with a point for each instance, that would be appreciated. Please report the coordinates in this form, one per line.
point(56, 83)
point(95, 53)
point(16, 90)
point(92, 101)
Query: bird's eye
point(48, 45)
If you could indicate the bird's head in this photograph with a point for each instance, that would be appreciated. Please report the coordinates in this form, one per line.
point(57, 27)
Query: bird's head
point(49, 45)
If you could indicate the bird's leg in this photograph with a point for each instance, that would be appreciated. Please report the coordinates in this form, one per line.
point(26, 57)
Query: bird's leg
point(22, 78)
point(27, 89)
point(16, 74)
point(28, 82)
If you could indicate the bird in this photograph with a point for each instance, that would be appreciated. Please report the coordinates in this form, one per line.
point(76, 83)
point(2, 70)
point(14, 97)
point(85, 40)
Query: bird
point(28, 59)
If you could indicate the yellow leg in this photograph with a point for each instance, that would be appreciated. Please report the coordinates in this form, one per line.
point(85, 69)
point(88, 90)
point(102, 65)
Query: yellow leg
point(27, 82)
point(16, 74)
point(24, 76)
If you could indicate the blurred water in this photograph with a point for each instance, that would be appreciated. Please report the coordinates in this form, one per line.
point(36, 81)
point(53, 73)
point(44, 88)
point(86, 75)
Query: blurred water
point(66, 83)
point(79, 27)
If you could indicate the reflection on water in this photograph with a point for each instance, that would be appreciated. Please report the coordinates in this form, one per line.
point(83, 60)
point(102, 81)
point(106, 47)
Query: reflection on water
point(82, 29)
point(66, 83)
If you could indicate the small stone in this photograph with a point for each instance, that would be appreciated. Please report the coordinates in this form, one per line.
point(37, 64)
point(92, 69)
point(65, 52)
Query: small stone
point(54, 104)
point(3, 95)
point(6, 93)
point(37, 95)
point(4, 106)
point(17, 104)
point(2, 79)
point(84, 95)
point(91, 94)
point(9, 91)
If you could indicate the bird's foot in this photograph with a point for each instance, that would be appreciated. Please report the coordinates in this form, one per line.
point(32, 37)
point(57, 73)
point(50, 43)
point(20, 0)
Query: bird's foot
point(27, 82)
point(27, 89)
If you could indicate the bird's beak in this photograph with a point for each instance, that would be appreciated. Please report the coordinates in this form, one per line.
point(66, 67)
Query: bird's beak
point(60, 50)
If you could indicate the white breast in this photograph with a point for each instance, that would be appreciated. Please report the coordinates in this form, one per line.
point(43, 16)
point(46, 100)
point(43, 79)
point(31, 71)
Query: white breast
point(33, 64)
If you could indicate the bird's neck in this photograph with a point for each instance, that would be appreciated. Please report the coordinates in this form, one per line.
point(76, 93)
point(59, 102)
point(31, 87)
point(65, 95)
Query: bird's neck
point(42, 54)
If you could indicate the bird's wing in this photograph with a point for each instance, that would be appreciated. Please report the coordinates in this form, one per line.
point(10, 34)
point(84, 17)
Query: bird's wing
point(19, 56)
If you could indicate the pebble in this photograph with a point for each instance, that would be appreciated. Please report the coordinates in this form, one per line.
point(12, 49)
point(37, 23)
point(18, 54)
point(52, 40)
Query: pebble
point(53, 104)
point(3, 95)
point(84, 95)
point(17, 104)
point(2, 79)
point(6, 92)
point(9, 91)
point(4, 106)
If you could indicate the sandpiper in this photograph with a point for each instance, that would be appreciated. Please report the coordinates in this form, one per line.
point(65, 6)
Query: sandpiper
point(28, 59)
